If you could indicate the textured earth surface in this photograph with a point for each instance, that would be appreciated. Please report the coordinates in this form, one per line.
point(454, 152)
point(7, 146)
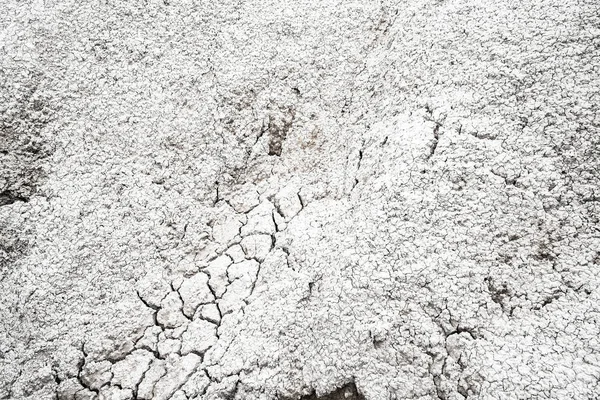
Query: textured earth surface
point(299, 200)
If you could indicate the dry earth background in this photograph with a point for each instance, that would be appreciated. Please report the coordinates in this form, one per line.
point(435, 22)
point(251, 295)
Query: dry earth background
point(299, 200)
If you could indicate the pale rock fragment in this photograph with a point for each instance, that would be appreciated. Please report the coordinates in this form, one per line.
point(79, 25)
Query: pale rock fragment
point(506, 167)
point(123, 348)
point(217, 270)
point(288, 202)
point(236, 293)
point(437, 365)
point(178, 280)
point(86, 394)
point(244, 199)
point(152, 288)
point(196, 384)
point(195, 291)
point(199, 337)
point(95, 374)
point(178, 395)
point(156, 371)
point(227, 229)
point(178, 370)
point(280, 223)
point(128, 373)
point(456, 343)
point(114, 393)
point(205, 252)
point(99, 349)
point(242, 277)
point(168, 346)
point(150, 338)
point(257, 246)
point(170, 315)
point(236, 253)
point(187, 265)
point(219, 349)
point(209, 312)
point(68, 389)
point(260, 220)
point(175, 333)
point(226, 385)
point(246, 268)
point(379, 331)
point(68, 363)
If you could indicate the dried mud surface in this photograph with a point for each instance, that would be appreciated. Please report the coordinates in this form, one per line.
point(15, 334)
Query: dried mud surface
point(299, 200)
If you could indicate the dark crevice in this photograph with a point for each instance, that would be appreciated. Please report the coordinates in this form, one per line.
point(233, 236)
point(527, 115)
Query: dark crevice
point(461, 329)
point(278, 132)
point(302, 204)
point(499, 294)
point(311, 288)
point(548, 300)
point(276, 210)
point(189, 318)
point(216, 302)
point(261, 133)
point(154, 309)
point(436, 139)
point(347, 392)
point(80, 366)
point(9, 197)
point(436, 129)
point(217, 197)
point(358, 164)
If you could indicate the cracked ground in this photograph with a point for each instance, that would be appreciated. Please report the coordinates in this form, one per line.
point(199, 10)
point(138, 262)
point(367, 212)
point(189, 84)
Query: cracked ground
point(302, 200)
